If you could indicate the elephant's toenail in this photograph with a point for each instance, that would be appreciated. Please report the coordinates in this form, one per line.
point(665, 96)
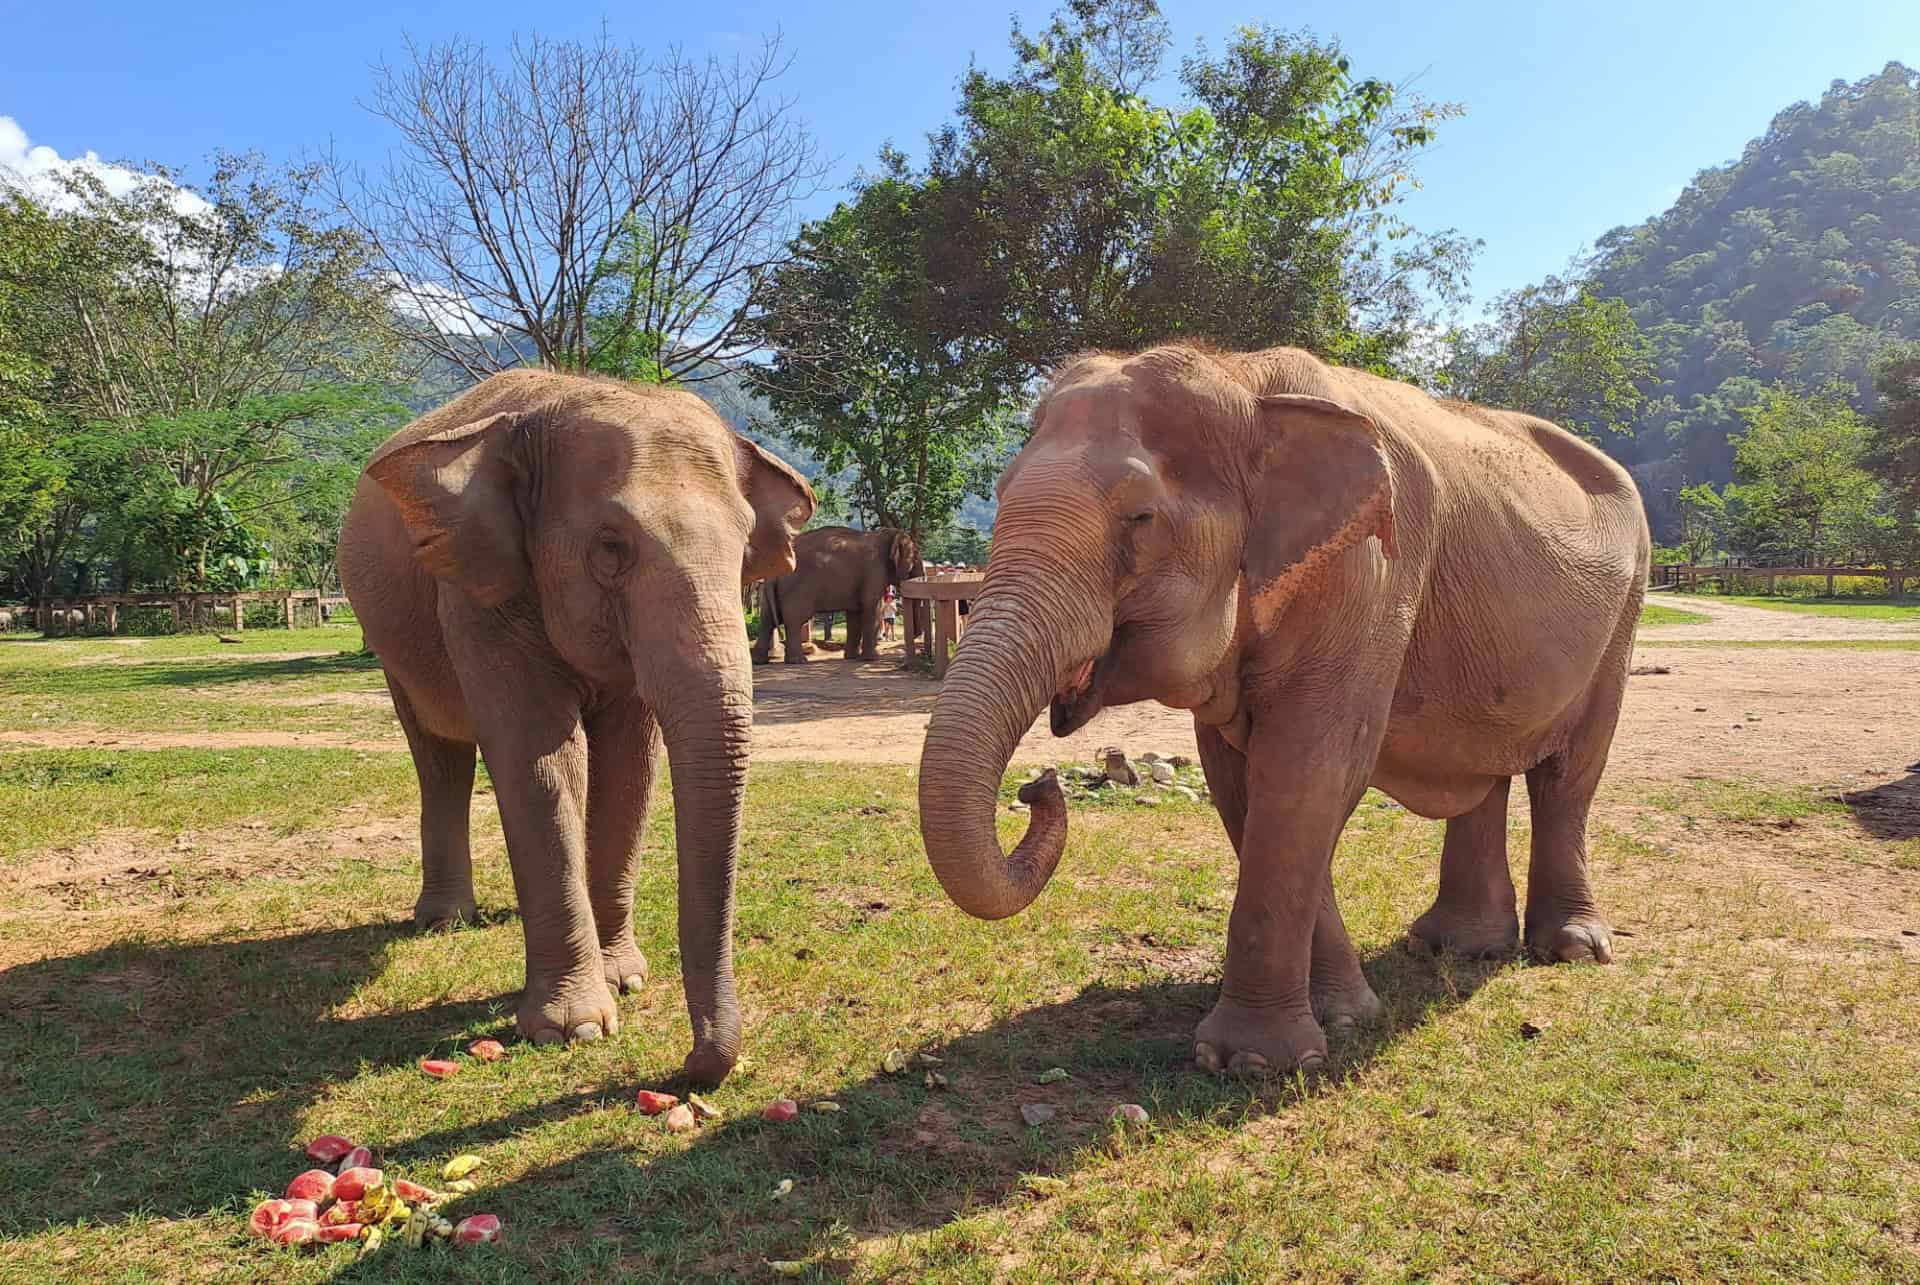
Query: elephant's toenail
point(1206, 1056)
point(633, 982)
point(586, 1032)
point(547, 1035)
point(1249, 1064)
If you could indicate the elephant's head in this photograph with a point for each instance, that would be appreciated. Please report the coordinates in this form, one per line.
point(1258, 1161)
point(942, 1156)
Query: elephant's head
point(1161, 514)
point(626, 519)
point(903, 559)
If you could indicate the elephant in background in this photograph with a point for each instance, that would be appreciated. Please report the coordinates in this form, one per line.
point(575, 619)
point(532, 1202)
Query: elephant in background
point(549, 568)
point(836, 568)
point(1349, 584)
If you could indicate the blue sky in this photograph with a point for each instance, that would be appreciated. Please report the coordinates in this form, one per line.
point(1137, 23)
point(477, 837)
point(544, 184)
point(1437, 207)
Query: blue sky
point(1580, 117)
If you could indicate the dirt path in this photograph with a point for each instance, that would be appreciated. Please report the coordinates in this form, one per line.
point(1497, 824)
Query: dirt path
point(1735, 622)
point(1786, 714)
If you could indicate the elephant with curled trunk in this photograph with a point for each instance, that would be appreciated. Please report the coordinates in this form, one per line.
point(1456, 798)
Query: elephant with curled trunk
point(836, 568)
point(549, 568)
point(1348, 583)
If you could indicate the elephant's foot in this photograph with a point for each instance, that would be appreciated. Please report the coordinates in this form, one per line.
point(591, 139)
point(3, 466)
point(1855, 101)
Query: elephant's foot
point(708, 1064)
point(1352, 1003)
point(626, 967)
point(1468, 934)
point(1582, 936)
point(576, 1007)
point(435, 911)
point(759, 659)
point(796, 659)
point(1247, 1040)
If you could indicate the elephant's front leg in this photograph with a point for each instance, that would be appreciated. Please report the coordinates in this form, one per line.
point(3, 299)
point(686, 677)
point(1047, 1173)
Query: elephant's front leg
point(1298, 797)
point(1338, 991)
point(623, 744)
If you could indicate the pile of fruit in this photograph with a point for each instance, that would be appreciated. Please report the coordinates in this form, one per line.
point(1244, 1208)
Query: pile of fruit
point(354, 1201)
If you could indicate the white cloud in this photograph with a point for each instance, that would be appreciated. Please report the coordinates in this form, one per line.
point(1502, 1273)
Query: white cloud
point(39, 169)
point(439, 306)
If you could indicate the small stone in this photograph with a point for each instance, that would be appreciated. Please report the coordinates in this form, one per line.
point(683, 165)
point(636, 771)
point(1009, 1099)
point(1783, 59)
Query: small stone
point(1033, 774)
point(784, 1190)
point(1130, 1113)
point(1150, 758)
point(1180, 762)
point(680, 1119)
point(1162, 773)
point(935, 1080)
point(1118, 770)
point(1531, 1030)
point(1037, 1113)
point(1187, 792)
point(1052, 1075)
point(1146, 800)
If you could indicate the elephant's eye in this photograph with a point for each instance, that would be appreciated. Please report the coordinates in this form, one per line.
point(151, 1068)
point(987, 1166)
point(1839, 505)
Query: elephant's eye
point(609, 555)
point(1144, 516)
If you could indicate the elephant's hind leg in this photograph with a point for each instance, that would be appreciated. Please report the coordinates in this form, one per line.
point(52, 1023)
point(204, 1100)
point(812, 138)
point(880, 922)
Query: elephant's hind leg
point(445, 770)
point(623, 746)
point(1564, 923)
point(1473, 915)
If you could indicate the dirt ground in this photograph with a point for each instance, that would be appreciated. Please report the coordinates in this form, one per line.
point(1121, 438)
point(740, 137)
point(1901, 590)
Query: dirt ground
point(1786, 714)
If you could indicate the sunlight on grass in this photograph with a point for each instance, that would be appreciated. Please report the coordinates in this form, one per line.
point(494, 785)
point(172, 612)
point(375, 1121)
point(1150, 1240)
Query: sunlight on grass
point(1653, 613)
point(1677, 1117)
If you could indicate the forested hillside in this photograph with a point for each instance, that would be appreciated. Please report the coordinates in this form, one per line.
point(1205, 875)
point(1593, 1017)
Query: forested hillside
point(1798, 263)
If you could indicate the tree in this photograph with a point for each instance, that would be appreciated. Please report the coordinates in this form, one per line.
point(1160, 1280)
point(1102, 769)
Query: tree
point(1894, 451)
point(190, 342)
point(1803, 497)
point(1064, 210)
point(1703, 518)
point(579, 206)
point(1559, 351)
point(918, 422)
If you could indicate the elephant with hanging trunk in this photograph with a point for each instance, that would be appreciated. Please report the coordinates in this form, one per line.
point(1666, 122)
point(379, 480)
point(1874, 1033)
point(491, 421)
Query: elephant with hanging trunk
point(836, 568)
point(549, 568)
point(1348, 583)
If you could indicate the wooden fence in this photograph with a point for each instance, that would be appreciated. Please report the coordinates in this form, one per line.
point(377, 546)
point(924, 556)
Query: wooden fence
point(943, 592)
point(79, 613)
point(1688, 576)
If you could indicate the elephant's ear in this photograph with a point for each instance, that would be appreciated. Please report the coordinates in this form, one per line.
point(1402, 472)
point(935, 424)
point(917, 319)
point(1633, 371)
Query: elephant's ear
point(1322, 487)
point(782, 505)
point(901, 554)
point(460, 494)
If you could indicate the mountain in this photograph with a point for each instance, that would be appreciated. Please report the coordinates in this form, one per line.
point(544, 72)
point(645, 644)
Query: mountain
point(1798, 262)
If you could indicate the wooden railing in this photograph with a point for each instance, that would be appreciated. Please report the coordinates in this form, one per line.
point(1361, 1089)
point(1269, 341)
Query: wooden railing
point(942, 592)
point(55, 615)
point(1689, 575)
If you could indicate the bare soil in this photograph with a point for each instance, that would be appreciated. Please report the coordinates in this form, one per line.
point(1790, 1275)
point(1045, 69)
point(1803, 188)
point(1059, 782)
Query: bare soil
point(1820, 716)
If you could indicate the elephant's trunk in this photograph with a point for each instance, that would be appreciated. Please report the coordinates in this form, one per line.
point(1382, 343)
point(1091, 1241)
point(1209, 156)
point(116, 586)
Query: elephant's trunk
point(1032, 621)
point(705, 706)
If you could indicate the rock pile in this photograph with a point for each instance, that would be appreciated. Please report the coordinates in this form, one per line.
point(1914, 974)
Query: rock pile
point(1147, 778)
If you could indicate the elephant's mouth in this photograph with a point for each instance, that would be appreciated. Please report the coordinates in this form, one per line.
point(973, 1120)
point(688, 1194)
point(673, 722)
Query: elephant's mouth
point(1078, 698)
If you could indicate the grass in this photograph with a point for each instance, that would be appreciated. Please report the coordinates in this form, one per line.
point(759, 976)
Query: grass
point(1817, 644)
point(203, 963)
point(1653, 613)
point(278, 680)
point(1900, 609)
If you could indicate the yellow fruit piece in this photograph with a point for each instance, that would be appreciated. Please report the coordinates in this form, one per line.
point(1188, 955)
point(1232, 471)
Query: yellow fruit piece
point(462, 1186)
point(786, 1267)
point(461, 1166)
point(894, 1062)
point(370, 1241)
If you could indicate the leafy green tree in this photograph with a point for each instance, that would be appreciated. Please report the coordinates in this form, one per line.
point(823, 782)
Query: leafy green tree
point(1804, 497)
point(1558, 351)
point(1894, 453)
point(1703, 521)
point(1064, 210)
point(913, 422)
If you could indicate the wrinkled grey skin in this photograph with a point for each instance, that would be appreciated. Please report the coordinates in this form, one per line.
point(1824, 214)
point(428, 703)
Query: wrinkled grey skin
point(549, 568)
point(836, 568)
point(1347, 583)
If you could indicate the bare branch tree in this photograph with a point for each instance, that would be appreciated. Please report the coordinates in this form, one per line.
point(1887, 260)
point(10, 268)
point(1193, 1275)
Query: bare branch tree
point(581, 206)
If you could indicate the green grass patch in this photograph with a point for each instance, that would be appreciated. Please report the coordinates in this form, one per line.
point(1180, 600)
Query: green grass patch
point(1695, 1111)
point(1653, 613)
point(1817, 644)
point(309, 680)
point(1902, 609)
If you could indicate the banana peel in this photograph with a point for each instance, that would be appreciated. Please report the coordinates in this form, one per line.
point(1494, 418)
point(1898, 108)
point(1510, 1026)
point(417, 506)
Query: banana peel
point(461, 1166)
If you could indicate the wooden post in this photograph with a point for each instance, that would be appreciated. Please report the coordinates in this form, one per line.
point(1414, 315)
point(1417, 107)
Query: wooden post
point(946, 628)
point(1829, 582)
point(239, 613)
point(1896, 585)
point(113, 616)
point(174, 609)
point(288, 604)
point(910, 612)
